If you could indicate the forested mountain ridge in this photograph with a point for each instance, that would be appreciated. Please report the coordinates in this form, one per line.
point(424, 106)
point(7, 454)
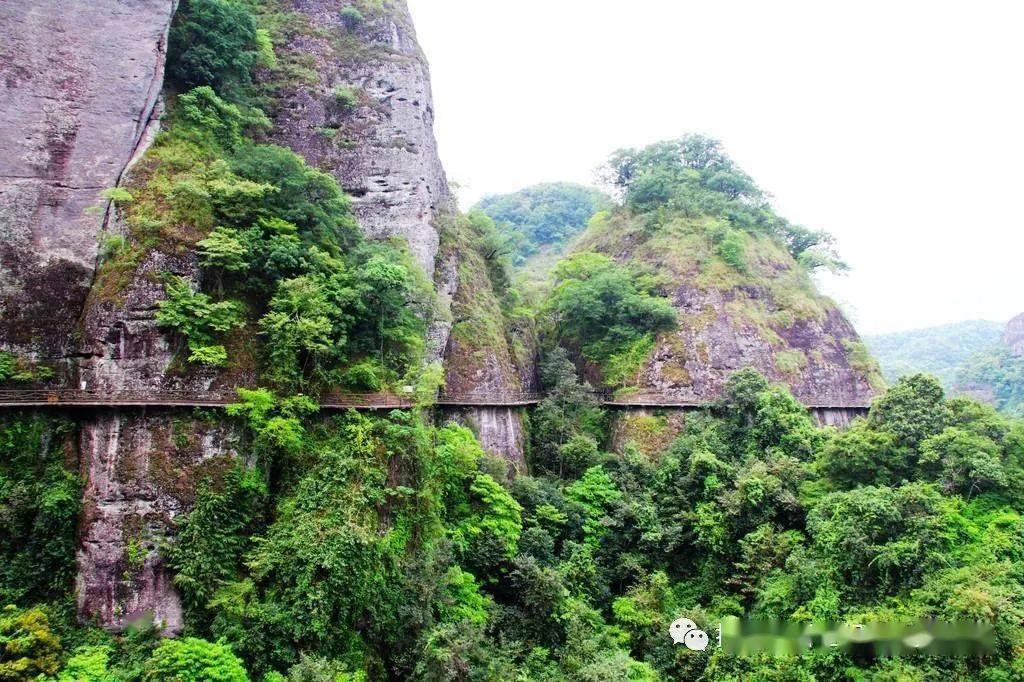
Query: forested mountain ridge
point(940, 351)
point(545, 215)
point(996, 374)
point(978, 358)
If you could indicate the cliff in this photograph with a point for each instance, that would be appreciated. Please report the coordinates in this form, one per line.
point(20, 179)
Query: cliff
point(364, 112)
point(79, 81)
point(84, 82)
point(1013, 335)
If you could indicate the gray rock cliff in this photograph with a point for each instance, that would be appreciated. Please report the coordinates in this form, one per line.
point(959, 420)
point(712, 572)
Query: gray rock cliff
point(367, 118)
point(79, 81)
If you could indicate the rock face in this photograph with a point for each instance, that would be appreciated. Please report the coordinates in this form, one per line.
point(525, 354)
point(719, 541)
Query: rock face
point(79, 81)
point(1013, 336)
point(367, 118)
point(811, 355)
point(142, 470)
point(499, 430)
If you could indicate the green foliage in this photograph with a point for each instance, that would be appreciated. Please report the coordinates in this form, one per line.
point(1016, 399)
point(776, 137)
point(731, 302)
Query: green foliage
point(87, 664)
point(215, 43)
point(22, 370)
point(911, 410)
point(343, 96)
point(351, 17)
point(213, 536)
point(40, 498)
point(565, 422)
point(542, 214)
point(27, 645)
point(223, 250)
point(939, 351)
point(596, 493)
point(199, 320)
point(597, 307)
point(693, 176)
point(731, 249)
point(117, 195)
point(194, 660)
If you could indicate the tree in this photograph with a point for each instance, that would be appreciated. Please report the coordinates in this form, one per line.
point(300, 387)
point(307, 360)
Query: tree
point(213, 43)
point(597, 307)
point(861, 455)
point(912, 410)
point(967, 463)
point(194, 660)
point(299, 329)
point(199, 320)
point(879, 541)
point(567, 420)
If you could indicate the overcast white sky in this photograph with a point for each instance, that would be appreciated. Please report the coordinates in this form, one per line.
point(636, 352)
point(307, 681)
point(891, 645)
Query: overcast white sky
point(896, 125)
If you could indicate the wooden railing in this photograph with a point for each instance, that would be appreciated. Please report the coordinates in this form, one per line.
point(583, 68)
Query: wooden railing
point(365, 401)
point(661, 400)
point(95, 397)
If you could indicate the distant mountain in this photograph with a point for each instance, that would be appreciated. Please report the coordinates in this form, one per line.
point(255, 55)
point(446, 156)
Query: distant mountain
point(542, 215)
point(941, 351)
point(996, 375)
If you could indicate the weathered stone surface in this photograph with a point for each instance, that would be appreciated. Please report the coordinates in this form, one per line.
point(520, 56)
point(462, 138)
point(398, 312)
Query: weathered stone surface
point(141, 471)
point(499, 430)
point(1013, 336)
point(78, 81)
point(712, 343)
point(382, 148)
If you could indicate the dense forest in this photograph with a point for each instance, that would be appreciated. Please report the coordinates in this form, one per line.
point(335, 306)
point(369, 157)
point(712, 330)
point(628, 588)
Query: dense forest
point(968, 358)
point(940, 351)
point(543, 215)
point(388, 545)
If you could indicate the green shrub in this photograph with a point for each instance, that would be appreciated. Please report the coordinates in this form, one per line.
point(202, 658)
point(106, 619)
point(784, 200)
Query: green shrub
point(351, 17)
point(198, 319)
point(117, 195)
point(88, 664)
point(194, 660)
point(598, 308)
point(345, 97)
point(27, 645)
point(732, 249)
point(13, 368)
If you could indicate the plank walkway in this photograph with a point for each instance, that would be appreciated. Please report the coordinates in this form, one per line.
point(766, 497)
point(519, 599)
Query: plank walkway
point(71, 397)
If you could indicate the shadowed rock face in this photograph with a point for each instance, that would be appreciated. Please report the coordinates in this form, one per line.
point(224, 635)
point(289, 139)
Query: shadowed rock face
point(78, 80)
point(141, 473)
point(1013, 336)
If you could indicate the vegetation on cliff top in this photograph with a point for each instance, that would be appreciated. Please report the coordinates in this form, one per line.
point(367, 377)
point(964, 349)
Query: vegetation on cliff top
point(281, 253)
point(694, 227)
